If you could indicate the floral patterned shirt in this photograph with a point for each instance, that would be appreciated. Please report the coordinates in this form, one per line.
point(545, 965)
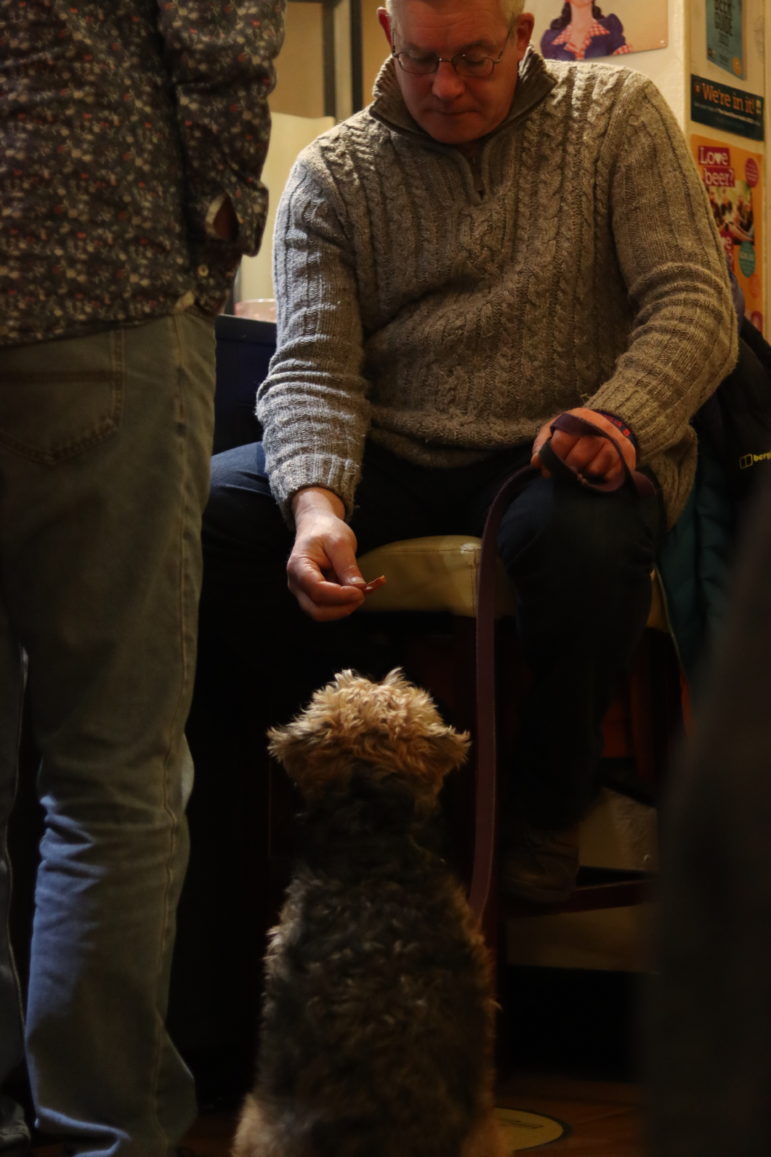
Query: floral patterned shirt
point(123, 126)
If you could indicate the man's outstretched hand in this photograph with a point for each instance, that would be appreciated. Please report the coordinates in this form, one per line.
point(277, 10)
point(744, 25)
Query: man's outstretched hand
point(322, 571)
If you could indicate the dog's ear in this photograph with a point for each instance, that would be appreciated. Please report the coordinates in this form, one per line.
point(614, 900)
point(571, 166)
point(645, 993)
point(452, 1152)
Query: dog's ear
point(290, 744)
point(430, 746)
point(424, 760)
point(315, 747)
point(447, 748)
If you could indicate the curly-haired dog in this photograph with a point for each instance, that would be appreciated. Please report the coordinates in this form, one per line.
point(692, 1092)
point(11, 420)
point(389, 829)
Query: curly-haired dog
point(378, 1014)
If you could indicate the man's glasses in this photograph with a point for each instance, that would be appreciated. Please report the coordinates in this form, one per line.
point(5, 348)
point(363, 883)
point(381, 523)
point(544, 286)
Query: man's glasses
point(472, 63)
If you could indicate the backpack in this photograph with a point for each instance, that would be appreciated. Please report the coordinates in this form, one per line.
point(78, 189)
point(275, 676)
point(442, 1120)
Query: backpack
point(735, 421)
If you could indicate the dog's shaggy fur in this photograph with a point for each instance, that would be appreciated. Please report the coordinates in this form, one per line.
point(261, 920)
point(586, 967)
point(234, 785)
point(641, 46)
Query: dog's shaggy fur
point(377, 1027)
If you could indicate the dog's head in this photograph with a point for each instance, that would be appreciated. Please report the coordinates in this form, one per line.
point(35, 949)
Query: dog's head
point(392, 727)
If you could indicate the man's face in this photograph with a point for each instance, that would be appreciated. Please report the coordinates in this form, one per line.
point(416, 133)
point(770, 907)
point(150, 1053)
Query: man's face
point(454, 109)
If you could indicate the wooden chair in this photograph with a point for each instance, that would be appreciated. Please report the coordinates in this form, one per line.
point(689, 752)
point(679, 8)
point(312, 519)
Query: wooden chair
point(432, 594)
point(440, 576)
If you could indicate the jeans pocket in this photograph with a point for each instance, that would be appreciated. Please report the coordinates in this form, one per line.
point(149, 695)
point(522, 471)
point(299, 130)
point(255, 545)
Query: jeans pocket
point(58, 399)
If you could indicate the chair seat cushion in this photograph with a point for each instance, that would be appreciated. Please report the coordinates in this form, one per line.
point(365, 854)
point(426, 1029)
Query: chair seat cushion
point(439, 573)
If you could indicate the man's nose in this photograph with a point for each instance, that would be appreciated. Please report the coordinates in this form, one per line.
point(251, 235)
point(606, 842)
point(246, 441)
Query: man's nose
point(447, 84)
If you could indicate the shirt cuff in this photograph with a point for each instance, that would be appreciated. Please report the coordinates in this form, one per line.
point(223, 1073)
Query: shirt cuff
point(211, 213)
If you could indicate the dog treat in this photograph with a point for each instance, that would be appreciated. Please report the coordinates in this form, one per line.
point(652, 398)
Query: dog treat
point(373, 584)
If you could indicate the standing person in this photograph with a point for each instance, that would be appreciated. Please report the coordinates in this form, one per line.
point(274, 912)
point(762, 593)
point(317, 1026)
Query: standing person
point(494, 241)
point(708, 1048)
point(133, 136)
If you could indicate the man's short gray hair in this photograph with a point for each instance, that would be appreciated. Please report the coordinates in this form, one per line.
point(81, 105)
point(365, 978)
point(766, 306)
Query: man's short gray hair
point(511, 9)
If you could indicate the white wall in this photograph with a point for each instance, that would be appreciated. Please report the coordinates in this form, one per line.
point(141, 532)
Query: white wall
point(289, 135)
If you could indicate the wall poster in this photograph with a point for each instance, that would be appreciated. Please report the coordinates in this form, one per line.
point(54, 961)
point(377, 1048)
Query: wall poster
point(585, 31)
point(722, 107)
point(733, 177)
point(725, 35)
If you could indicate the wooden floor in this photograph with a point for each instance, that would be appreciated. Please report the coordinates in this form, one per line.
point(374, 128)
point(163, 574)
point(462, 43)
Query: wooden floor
point(567, 1044)
point(568, 1040)
point(602, 1118)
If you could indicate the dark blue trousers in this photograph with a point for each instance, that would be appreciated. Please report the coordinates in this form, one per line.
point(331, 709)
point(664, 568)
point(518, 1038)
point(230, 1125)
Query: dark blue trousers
point(580, 562)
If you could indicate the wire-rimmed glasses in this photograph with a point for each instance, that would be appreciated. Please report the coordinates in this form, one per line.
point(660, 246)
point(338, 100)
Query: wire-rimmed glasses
point(472, 63)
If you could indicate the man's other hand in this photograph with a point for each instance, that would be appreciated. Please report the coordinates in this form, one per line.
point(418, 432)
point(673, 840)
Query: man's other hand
point(589, 455)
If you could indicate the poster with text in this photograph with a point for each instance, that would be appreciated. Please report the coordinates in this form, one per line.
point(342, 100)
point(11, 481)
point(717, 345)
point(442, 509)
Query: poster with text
point(725, 35)
point(734, 180)
point(723, 107)
point(586, 31)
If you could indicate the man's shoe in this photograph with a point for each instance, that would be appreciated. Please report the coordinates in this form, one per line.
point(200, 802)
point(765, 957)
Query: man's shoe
point(540, 866)
point(14, 1133)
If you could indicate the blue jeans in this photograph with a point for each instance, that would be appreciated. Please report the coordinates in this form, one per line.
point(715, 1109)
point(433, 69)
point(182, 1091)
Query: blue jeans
point(105, 443)
point(580, 562)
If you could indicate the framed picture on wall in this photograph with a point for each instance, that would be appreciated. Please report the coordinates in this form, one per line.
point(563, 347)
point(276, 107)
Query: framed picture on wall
point(725, 35)
point(582, 30)
point(733, 176)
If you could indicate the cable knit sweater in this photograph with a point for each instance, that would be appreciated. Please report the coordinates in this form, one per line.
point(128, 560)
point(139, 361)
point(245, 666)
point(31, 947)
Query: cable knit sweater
point(448, 308)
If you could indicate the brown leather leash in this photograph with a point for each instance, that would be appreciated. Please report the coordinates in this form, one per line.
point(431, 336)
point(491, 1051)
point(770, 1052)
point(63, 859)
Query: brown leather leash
point(485, 785)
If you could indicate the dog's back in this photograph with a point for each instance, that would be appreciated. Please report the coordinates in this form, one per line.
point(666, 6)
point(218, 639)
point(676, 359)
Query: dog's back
point(376, 1023)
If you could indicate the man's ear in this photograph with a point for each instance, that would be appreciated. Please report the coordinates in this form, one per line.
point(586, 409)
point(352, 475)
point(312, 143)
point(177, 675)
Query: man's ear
point(385, 24)
point(523, 32)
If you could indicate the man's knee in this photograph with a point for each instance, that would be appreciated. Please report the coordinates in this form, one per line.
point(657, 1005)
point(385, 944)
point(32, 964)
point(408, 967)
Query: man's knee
point(241, 513)
point(574, 529)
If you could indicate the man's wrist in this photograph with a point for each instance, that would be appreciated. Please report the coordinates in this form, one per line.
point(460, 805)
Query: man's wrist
point(621, 426)
point(311, 500)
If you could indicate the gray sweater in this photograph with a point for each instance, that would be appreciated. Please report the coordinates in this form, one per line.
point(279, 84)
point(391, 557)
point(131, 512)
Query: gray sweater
point(447, 309)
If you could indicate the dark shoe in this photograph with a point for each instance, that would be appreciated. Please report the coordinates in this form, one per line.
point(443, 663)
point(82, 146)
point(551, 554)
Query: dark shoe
point(14, 1134)
point(540, 866)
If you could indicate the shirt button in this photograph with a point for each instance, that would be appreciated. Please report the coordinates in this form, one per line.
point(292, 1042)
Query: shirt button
point(203, 271)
